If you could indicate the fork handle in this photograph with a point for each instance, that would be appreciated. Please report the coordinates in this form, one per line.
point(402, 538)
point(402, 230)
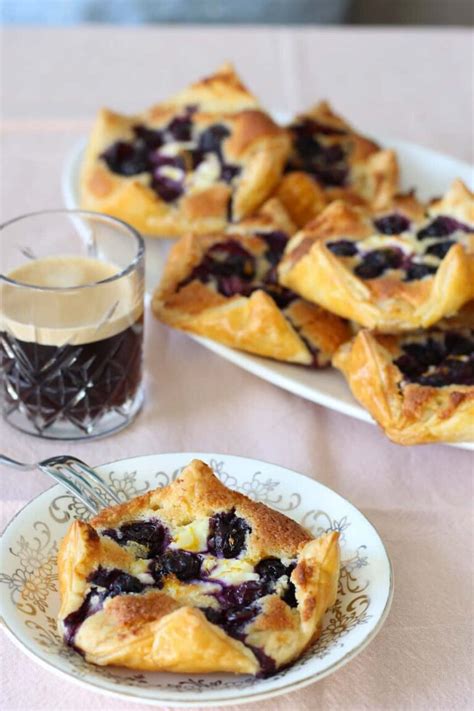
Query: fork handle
point(15, 464)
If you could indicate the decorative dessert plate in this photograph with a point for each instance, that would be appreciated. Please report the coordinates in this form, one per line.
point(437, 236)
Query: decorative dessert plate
point(428, 171)
point(30, 601)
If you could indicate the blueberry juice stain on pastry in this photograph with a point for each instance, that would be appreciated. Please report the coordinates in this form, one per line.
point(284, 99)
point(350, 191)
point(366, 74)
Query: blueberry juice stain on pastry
point(221, 566)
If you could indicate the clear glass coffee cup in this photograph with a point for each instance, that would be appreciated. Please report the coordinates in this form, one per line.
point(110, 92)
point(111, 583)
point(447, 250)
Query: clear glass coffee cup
point(71, 324)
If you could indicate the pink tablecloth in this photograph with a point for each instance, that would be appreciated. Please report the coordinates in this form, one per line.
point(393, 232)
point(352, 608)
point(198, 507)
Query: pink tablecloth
point(410, 84)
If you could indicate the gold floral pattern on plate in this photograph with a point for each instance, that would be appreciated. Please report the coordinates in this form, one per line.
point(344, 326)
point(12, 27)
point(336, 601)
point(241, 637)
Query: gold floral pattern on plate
point(32, 579)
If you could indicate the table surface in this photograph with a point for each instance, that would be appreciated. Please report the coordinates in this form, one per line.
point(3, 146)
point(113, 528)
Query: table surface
point(412, 84)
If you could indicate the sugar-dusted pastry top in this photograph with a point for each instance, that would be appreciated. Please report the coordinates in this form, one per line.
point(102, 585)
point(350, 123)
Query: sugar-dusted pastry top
point(394, 269)
point(225, 286)
point(194, 577)
point(201, 159)
point(329, 160)
point(419, 386)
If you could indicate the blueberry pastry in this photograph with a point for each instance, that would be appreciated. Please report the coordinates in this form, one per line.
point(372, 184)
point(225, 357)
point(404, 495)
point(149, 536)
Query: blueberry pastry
point(330, 161)
point(205, 157)
point(194, 578)
point(224, 286)
point(419, 387)
point(398, 269)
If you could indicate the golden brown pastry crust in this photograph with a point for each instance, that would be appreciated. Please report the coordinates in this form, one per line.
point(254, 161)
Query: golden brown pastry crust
point(299, 333)
point(372, 173)
point(256, 146)
point(164, 629)
point(409, 413)
point(387, 303)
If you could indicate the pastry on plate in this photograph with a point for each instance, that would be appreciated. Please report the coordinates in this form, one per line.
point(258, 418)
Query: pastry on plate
point(329, 160)
point(393, 270)
point(194, 578)
point(208, 156)
point(419, 387)
point(224, 286)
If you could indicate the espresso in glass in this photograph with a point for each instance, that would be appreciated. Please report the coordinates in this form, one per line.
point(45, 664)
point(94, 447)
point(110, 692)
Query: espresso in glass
point(71, 341)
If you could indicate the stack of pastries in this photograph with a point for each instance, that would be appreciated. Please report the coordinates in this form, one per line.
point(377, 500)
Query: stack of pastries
point(296, 244)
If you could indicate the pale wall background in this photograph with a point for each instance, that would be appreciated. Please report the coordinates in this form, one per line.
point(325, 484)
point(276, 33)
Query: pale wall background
point(366, 12)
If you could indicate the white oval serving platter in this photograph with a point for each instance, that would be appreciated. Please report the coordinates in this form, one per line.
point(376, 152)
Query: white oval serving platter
point(422, 168)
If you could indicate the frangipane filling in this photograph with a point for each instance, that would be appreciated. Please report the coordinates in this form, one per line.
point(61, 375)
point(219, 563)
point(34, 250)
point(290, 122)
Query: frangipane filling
point(178, 158)
point(397, 251)
point(442, 359)
point(318, 150)
point(232, 587)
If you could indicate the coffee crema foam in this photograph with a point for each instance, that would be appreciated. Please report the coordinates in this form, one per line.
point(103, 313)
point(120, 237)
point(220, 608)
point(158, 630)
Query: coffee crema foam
point(79, 315)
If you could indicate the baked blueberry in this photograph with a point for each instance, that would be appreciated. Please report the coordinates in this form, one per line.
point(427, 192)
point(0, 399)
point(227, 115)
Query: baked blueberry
point(276, 242)
point(374, 263)
point(227, 533)
point(183, 564)
point(180, 128)
point(418, 270)
point(440, 249)
point(151, 534)
point(270, 569)
point(343, 248)
point(167, 188)
point(126, 158)
point(210, 140)
point(240, 595)
point(331, 176)
point(282, 296)
point(409, 366)
point(458, 344)
point(115, 581)
point(451, 372)
point(91, 604)
point(442, 226)
point(430, 352)
point(304, 142)
point(152, 138)
point(393, 224)
point(325, 162)
point(436, 362)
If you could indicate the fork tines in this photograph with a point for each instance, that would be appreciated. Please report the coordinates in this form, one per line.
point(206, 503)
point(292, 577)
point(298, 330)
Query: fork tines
point(81, 481)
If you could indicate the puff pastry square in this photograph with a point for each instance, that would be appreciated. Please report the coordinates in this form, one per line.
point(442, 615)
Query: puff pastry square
point(194, 578)
point(205, 157)
point(329, 161)
point(394, 270)
point(419, 387)
point(224, 287)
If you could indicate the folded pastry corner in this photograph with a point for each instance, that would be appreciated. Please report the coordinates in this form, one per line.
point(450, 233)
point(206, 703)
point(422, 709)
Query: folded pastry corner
point(194, 578)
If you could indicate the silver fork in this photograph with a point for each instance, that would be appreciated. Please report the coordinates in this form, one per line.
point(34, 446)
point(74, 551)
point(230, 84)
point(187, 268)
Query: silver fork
point(75, 475)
